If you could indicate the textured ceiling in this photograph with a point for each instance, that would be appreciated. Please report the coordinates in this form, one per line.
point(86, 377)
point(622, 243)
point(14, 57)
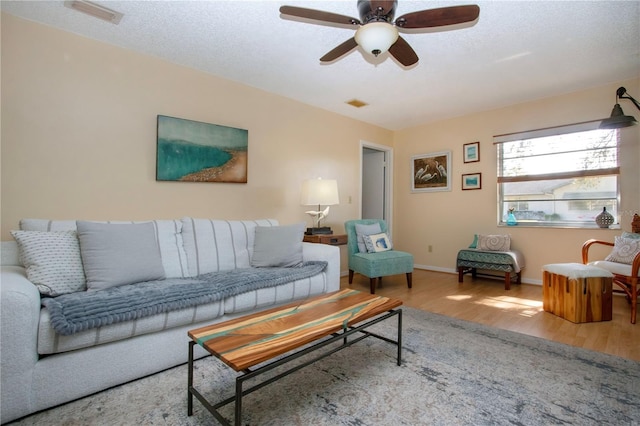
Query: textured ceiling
point(516, 52)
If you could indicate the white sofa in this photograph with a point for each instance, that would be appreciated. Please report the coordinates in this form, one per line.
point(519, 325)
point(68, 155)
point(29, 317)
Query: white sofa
point(40, 368)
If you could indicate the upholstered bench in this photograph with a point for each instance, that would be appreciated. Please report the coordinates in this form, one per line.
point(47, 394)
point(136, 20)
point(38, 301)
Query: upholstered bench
point(470, 260)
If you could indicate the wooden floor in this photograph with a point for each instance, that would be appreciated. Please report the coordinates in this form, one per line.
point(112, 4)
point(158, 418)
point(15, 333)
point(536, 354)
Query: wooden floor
point(486, 301)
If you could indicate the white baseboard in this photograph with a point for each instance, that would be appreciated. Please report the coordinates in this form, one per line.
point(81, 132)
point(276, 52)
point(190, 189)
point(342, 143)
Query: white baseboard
point(452, 271)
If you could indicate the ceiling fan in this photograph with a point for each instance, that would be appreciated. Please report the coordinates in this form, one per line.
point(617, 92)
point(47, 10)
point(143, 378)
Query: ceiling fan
point(378, 32)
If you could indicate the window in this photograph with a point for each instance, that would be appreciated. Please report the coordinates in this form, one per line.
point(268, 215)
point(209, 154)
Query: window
point(561, 176)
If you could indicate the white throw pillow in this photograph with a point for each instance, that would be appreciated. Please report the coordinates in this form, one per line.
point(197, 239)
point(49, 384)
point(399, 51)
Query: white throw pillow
point(52, 261)
point(278, 246)
point(119, 254)
point(377, 242)
point(494, 242)
point(624, 250)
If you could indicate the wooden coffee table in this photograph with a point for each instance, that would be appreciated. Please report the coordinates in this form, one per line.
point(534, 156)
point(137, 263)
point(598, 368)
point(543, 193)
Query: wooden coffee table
point(245, 342)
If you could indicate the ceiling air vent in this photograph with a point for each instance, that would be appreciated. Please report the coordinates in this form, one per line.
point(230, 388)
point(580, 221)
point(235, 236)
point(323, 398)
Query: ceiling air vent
point(95, 10)
point(357, 103)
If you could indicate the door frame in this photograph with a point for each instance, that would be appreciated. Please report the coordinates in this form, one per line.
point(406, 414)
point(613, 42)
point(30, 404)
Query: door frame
point(388, 181)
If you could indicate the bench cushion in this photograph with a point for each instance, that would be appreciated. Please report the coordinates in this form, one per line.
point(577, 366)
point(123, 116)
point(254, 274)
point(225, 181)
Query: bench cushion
point(508, 261)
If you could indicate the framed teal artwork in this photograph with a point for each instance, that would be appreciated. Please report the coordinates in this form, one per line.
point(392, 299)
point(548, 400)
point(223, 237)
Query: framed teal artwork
point(192, 151)
point(472, 181)
point(471, 152)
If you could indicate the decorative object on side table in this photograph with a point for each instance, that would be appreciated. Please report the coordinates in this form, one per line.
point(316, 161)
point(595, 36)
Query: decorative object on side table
point(604, 219)
point(319, 192)
point(471, 152)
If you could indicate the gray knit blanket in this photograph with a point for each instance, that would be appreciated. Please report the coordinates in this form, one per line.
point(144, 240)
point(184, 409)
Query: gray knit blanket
point(75, 312)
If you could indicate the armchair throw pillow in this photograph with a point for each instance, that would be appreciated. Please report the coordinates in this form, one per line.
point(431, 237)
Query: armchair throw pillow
point(632, 235)
point(377, 242)
point(624, 250)
point(362, 230)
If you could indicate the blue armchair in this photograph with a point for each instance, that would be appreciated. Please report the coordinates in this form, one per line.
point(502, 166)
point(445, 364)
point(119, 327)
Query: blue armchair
point(375, 265)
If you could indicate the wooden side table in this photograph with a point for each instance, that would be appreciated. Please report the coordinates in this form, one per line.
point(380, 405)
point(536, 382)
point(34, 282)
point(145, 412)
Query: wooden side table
point(331, 239)
point(577, 292)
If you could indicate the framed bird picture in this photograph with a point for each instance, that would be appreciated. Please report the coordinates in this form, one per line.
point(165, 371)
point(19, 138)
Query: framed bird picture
point(431, 172)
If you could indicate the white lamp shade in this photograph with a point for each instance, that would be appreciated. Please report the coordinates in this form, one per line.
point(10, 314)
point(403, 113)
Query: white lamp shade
point(317, 192)
point(376, 37)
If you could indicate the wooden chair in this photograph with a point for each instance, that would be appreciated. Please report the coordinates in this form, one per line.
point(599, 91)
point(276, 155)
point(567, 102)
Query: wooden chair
point(624, 276)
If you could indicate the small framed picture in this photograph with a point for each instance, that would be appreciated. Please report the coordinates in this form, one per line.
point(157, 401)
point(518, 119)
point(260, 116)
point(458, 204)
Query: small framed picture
point(472, 181)
point(471, 152)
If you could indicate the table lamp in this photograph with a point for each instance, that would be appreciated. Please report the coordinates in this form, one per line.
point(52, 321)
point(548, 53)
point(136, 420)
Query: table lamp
point(320, 192)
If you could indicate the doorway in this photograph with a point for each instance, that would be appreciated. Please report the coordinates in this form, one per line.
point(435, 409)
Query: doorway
point(376, 167)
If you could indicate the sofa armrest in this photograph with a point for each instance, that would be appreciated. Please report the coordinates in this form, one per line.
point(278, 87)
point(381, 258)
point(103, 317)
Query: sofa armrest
point(20, 314)
point(330, 254)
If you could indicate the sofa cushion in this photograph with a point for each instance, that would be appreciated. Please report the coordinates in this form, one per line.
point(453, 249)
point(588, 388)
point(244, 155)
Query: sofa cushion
point(363, 229)
point(278, 246)
point(50, 342)
point(52, 261)
point(218, 245)
point(168, 233)
point(118, 254)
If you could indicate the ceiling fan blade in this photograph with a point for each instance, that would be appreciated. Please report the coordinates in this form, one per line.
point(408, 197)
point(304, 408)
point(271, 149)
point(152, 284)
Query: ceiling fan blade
point(342, 49)
point(439, 17)
point(403, 52)
point(318, 15)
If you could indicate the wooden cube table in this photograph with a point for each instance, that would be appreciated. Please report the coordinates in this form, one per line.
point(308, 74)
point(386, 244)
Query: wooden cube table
point(576, 292)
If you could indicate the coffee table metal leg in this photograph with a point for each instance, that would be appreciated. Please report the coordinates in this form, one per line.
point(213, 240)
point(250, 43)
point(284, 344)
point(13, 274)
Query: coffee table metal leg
point(238, 414)
point(399, 337)
point(190, 381)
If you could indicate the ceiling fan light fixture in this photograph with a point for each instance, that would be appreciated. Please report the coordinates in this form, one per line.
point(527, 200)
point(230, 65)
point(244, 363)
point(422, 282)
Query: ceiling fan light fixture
point(376, 37)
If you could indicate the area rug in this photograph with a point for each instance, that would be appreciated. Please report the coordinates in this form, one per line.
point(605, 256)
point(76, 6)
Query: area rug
point(453, 373)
